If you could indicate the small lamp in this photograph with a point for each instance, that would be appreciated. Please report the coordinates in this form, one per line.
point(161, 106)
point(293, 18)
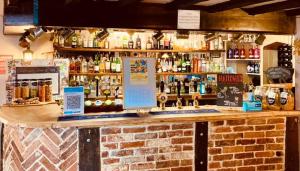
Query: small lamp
point(27, 55)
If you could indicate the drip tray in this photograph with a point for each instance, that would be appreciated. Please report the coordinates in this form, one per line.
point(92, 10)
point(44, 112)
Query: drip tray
point(134, 115)
point(185, 112)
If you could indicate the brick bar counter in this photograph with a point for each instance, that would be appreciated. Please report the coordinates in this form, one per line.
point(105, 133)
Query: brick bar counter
point(33, 139)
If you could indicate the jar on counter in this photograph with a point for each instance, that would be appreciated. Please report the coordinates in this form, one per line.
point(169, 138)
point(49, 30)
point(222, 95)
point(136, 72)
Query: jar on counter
point(25, 89)
point(274, 99)
point(33, 88)
point(17, 90)
point(287, 100)
point(42, 90)
point(258, 93)
point(48, 90)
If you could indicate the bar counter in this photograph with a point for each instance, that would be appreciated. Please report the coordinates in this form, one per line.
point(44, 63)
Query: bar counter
point(34, 139)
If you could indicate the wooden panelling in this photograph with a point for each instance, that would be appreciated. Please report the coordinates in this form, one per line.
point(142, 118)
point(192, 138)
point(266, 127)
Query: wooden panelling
point(201, 142)
point(292, 144)
point(89, 149)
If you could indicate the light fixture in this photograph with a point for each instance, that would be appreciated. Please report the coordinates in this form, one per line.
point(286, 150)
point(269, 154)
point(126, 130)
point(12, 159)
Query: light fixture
point(102, 35)
point(27, 55)
point(158, 36)
point(260, 39)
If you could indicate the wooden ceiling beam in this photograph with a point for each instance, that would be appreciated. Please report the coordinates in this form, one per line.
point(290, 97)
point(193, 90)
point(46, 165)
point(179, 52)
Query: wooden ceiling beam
point(293, 12)
point(233, 4)
point(183, 3)
point(273, 7)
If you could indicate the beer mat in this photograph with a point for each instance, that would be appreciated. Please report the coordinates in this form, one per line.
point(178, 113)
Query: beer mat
point(185, 112)
point(134, 115)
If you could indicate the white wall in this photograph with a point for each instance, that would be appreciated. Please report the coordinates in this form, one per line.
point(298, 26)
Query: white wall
point(9, 43)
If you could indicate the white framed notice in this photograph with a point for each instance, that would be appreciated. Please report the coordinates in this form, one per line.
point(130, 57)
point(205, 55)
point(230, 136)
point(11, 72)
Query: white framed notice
point(188, 19)
point(139, 83)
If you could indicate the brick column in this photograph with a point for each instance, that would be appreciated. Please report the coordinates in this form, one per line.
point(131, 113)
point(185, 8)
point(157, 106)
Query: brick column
point(247, 144)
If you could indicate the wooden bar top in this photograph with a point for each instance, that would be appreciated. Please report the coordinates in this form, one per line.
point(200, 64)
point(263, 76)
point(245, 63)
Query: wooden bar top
point(42, 116)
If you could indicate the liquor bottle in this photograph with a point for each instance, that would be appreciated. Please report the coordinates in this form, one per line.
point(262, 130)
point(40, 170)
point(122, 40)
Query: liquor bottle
point(162, 86)
point(256, 52)
point(166, 43)
point(79, 39)
point(149, 44)
point(138, 43)
point(125, 42)
point(106, 44)
point(155, 43)
point(74, 40)
point(130, 43)
point(251, 52)
point(236, 52)
point(158, 65)
point(242, 53)
point(113, 65)
point(102, 64)
point(61, 41)
point(78, 65)
point(96, 64)
point(178, 85)
point(91, 65)
point(164, 65)
point(230, 53)
point(170, 64)
point(174, 67)
point(84, 66)
point(183, 64)
point(161, 44)
point(107, 64)
point(118, 65)
point(188, 64)
point(72, 65)
point(179, 67)
point(186, 86)
point(91, 41)
point(202, 86)
point(195, 64)
point(171, 44)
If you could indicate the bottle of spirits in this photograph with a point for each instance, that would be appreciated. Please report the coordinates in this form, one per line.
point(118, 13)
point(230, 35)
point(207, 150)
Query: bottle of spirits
point(107, 64)
point(72, 65)
point(113, 65)
point(183, 64)
point(79, 39)
point(102, 64)
point(91, 41)
point(257, 52)
point(91, 65)
point(149, 44)
point(96, 64)
point(155, 43)
point(130, 43)
point(158, 65)
point(242, 53)
point(61, 40)
point(179, 66)
point(251, 52)
point(236, 52)
point(186, 86)
point(174, 68)
point(78, 65)
point(84, 66)
point(166, 43)
point(161, 44)
point(106, 44)
point(230, 53)
point(74, 40)
point(125, 42)
point(118, 64)
point(138, 43)
point(188, 64)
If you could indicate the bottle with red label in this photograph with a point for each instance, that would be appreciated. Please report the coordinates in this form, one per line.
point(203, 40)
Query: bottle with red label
point(251, 52)
point(242, 53)
point(257, 53)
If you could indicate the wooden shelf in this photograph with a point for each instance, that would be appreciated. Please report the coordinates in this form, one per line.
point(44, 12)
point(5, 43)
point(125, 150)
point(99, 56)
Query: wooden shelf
point(281, 85)
point(243, 59)
point(69, 49)
point(158, 74)
point(257, 74)
point(97, 74)
point(187, 73)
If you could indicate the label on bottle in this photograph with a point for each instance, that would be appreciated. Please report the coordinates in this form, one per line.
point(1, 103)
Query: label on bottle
point(118, 67)
point(113, 66)
point(283, 98)
point(271, 98)
point(258, 98)
point(96, 68)
point(107, 66)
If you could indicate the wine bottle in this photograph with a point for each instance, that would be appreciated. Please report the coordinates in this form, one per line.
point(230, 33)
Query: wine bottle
point(138, 42)
point(149, 44)
point(96, 64)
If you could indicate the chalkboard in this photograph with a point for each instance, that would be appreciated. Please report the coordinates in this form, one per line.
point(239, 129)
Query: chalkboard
point(279, 73)
point(230, 90)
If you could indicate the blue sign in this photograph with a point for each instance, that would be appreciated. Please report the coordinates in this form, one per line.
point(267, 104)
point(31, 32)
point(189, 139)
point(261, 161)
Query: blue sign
point(139, 83)
point(73, 100)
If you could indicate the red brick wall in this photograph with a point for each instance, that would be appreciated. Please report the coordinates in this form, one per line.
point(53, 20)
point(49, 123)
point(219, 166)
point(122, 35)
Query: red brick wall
point(246, 145)
point(40, 149)
point(164, 147)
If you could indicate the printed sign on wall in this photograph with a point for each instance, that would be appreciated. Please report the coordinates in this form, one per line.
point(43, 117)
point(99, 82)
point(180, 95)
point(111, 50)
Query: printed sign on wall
point(73, 100)
point(230, 90)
